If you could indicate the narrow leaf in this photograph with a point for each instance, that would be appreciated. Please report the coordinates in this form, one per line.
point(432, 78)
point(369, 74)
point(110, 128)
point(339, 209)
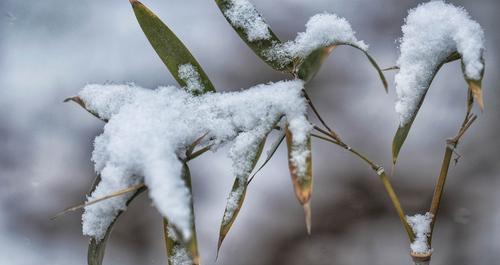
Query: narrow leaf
point(236, 198)
point(312, 63)
point(303, 185)
point(171, 50)
point(258, 46)
point(96, 249)
point(80, 102)
point(403, 131)
point(182, 252)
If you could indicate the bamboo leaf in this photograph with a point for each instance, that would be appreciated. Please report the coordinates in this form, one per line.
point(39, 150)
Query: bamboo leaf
point(303, 185)
point(236, 198)
point(312, 63)
point(80, 102)
point(96, 249)
point(182, 252)
point(171, 50)
point(403, 131)
point(259, 46)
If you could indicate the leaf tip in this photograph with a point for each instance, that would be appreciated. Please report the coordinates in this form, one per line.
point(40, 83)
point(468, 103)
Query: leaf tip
point(307, 213)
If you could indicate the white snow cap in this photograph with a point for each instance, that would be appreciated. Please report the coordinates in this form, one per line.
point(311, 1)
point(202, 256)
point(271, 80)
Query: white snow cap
point(242, 14)
point(432, 32)
point(322, 30)
point(148, 130)
point(421, 226)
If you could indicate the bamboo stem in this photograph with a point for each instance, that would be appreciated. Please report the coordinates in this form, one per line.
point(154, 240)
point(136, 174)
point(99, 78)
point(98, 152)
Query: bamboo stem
point(385, 181)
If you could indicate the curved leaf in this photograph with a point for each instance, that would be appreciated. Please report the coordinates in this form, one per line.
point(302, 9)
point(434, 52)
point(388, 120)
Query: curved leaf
point(171, 50)
point(302, 185)
point(96, 249)
point(402, 131)
point(260, 46)
point(236, 198)
point(312, 63)
point(181, 252)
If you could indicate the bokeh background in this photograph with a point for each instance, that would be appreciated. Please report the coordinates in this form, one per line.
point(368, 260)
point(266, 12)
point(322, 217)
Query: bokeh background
point(50, 49)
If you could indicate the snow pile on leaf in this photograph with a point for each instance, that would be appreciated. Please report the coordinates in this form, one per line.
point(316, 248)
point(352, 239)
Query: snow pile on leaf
point(191, 77)
point(149, 131)
point(421, 226)
point(322, 30)
point(432, 33)
point(242, 14)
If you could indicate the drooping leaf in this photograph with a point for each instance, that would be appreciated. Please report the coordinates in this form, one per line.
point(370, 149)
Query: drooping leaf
point(96, 249)
point(236, 198)
point(171, 50)
point(303, 185)
point(402, 131)
point(312, 63)
point(260, 46)
point(182, 252)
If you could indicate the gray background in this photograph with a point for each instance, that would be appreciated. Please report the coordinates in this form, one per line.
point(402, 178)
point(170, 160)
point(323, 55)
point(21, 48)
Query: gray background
point(51, 49)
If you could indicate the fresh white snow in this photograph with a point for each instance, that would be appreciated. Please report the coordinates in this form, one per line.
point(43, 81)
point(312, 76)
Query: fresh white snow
point(180, 256)
point(421, 226)
point(149, 130)
point(191, 77)
point(232, 203)
point(322, 30)
point(242, 14)
point(432, 32)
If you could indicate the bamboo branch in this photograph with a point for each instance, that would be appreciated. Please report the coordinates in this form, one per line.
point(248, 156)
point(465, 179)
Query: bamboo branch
point(451, 144)
point(385, 181)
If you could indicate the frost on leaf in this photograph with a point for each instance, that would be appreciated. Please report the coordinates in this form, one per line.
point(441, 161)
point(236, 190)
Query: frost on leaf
point(242, 14)
point(322, 30)
point(180, 256)
point(432, 34)
point(233, 202)
point(149, 131)
point(421, 226)
point(191, 77)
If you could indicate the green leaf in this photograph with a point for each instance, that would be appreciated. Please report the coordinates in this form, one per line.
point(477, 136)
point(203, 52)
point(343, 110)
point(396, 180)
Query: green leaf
point(96, 249)
point(303, 186)
point(238, 190)
point(173, 238)
point(312, 63)
point(171, 50)
point(259, 47)
point(403, 131)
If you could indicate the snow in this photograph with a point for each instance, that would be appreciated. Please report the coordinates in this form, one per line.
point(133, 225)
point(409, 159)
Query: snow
point(421, 226)
point(322, 30)
point(149, 131)
point(232, 203)
point(242, 14)
point(432, 32)
point(180, 256)
point(191, 77)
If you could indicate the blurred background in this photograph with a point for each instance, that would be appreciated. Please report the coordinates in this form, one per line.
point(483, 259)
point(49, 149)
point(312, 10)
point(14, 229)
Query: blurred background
point(50, 49)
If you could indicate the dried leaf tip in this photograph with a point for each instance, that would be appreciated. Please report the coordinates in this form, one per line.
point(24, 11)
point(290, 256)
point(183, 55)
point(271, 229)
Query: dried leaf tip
point(307, 213)
point(132, 2)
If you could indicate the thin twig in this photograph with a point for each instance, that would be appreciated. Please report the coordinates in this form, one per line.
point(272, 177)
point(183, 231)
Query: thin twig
point(109, 196)
point(317, 114)
point(198, 152)
point(385, 181)
point(451, 145)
